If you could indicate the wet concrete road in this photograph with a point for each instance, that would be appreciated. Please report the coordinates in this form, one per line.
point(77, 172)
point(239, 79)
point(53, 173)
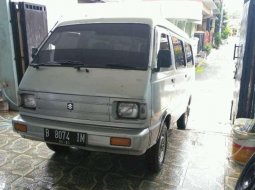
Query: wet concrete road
point(196, 158)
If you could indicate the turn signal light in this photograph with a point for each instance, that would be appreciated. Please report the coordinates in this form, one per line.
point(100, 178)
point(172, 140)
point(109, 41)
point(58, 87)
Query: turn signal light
point(20, 127)
point(117, 141)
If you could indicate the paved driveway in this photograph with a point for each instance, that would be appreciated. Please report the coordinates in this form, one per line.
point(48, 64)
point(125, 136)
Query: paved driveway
point(197, 158)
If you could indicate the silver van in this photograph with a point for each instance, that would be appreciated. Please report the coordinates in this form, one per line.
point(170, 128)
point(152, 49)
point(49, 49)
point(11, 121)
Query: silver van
point(112, 85)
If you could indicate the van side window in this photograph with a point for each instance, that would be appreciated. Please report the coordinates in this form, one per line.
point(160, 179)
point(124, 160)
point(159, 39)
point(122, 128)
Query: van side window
point(189, 55)
point(164, 53)
point(178, 53)
point(164, 43)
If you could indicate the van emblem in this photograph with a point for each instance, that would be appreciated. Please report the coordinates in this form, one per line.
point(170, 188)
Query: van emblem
point(70, 106)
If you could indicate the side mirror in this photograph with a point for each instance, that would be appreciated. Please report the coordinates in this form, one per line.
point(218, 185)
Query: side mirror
point(247, 177)
point(164, 58)
point(34, 51)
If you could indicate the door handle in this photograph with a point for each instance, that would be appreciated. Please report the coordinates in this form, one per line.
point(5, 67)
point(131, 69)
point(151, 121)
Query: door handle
point(234, 57)
point(186, 76)
point(173, 80)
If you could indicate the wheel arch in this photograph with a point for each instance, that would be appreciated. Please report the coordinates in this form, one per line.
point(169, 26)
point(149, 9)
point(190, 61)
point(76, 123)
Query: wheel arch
point(190, 100)
point(166, 119)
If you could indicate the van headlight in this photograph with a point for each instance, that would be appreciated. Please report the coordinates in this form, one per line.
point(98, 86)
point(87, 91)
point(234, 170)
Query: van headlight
point(127, 110)
point(28, 101)
point(130, 110)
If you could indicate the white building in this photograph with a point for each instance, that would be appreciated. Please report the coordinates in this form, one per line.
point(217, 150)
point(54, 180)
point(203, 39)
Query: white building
point(186, 14)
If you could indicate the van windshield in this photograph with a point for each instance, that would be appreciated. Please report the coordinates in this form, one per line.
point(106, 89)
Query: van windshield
point(118, 46)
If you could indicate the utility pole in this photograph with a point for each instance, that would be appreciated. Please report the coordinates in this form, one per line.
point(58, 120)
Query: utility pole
point(221, 17)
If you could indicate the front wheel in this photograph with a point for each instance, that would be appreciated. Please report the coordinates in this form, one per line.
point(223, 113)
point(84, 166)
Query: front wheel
point(57, 148)
point(156, 155)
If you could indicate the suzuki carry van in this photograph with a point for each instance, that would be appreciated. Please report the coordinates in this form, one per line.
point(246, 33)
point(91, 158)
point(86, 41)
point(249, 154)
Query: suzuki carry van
point(112, 85)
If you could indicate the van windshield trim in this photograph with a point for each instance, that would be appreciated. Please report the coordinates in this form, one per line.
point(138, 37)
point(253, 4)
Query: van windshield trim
point(127, 46)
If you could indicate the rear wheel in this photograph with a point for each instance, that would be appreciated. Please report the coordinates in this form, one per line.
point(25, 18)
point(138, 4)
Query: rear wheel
point(183, 120)
point(58, 148)
point(156, 155)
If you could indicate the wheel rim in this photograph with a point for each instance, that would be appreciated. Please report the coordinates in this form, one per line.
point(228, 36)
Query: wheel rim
point(162, 147)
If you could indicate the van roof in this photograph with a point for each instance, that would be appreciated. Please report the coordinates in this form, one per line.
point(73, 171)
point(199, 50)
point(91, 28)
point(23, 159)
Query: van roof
point(142, 20)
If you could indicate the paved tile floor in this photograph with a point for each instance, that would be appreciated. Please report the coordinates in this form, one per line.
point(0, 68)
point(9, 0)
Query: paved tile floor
point(197, 158)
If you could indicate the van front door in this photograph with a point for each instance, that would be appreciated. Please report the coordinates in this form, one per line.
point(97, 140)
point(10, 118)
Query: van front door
point(163, 76)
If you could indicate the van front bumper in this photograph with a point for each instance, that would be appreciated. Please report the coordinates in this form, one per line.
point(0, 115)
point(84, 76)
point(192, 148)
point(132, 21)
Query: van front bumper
point(98, 136)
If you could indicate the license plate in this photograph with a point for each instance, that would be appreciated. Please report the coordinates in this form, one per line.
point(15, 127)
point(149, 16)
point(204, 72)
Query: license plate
point(65, 137)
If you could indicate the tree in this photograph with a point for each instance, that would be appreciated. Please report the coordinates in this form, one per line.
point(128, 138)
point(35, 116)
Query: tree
point(217, 35)
point(218, 18)
point(225, 30)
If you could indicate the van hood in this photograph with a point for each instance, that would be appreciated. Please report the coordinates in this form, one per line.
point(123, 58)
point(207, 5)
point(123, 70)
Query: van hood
point(115, 83)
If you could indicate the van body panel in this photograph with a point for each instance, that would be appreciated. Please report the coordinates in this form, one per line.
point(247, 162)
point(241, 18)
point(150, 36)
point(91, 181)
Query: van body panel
point(97, 136)
point(116, 123)
point(171, 87)
point(98, 90)
point(171, 91)
point(97, 82)
point(83, 107)
point(163, 92)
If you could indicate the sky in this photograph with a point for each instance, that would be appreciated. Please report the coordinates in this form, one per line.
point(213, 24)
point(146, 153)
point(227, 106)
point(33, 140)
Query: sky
point(233, 5)
point(71, 9)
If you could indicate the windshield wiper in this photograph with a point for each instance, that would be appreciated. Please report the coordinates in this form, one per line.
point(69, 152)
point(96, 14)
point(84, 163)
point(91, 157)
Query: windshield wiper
point(79, 66)
point(69, 62)
point(37, 65)
point(58, 63)
point(114, 66)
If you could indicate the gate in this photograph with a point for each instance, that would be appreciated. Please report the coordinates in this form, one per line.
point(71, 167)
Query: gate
point(29, 26)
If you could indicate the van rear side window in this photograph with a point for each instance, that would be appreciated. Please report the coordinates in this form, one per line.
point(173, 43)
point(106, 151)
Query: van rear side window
point(99, 45)
point(189, 55)
point(178, 53)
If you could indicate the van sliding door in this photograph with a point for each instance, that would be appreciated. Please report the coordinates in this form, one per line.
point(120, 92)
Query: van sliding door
point(181, 76)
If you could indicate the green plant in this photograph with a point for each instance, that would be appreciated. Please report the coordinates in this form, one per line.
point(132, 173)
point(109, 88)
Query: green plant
point(199, 70)
point(217, 40)
point(226, 32)
point(200, 66)
point(208, 48)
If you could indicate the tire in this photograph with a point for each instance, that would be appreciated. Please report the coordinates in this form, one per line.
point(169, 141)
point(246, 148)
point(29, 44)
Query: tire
point(155, 156)
point(58, 148)
point(183, 120)
point(246, 180)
